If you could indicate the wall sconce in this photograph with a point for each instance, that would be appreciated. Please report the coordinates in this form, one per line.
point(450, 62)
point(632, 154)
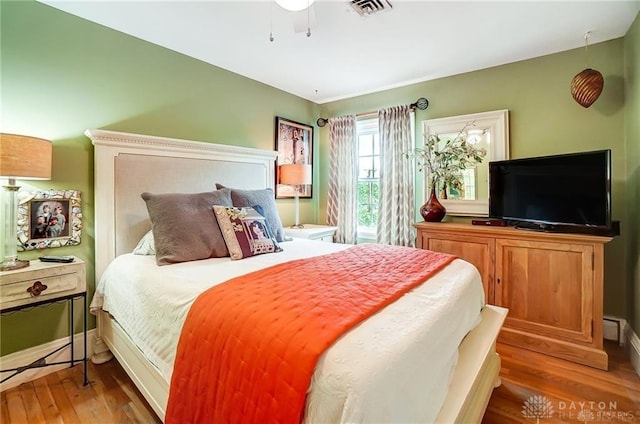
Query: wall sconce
point(21, 157)
point(296, 175)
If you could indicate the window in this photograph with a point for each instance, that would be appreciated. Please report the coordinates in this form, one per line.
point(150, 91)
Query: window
point(368, 176)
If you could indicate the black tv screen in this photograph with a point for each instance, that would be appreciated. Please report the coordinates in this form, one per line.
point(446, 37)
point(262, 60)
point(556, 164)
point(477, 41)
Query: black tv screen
point(564, 190)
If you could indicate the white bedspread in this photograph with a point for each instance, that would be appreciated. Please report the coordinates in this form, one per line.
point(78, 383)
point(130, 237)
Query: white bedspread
point(393, 367)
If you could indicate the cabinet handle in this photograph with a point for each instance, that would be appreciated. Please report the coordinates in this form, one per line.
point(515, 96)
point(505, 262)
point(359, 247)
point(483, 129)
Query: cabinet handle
point(37, 289)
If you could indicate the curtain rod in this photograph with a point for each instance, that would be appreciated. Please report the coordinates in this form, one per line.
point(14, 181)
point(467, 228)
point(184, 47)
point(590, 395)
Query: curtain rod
point(422, 103)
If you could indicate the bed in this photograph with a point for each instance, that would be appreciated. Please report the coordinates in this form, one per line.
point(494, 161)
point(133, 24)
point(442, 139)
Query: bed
point(127, 165)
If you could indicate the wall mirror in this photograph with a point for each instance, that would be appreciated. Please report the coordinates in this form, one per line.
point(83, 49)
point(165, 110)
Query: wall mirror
point(489, 130)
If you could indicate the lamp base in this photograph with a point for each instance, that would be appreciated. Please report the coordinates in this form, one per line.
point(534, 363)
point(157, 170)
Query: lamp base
point(297, 226)
point(11, 265)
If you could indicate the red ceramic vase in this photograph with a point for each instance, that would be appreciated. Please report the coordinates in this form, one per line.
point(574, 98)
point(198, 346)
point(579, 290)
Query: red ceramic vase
point(433, 211)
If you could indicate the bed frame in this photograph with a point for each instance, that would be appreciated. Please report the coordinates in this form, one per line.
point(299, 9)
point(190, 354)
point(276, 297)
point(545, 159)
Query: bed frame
point(128, 164)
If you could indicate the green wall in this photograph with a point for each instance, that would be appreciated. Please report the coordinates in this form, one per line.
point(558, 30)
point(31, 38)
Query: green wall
point(544, 119)
point(61, 75)
point(632, 90)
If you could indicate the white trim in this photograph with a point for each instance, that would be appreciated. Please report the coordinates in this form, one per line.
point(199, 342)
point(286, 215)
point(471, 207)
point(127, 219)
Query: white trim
point(634, 343)
point(27, 356)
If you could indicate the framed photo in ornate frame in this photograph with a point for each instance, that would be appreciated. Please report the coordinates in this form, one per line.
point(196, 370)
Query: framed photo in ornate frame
point(294, 143)
point(49, 219)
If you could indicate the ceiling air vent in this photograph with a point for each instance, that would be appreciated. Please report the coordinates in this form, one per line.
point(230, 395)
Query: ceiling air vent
point(369, 7)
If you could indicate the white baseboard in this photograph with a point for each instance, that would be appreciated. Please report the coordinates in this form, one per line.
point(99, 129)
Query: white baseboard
point(634, 344)
point(27, 356)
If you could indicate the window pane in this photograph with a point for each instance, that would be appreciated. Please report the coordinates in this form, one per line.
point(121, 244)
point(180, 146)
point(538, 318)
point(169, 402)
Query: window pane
point(363, 193)
point(376, 167)
point(365, 145)
point(366, 216)
point(376, 144)
point(365, 167)
point(375, 193)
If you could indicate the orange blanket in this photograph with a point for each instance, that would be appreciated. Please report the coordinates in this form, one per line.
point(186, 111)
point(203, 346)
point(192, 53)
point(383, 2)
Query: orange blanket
point(249, 347)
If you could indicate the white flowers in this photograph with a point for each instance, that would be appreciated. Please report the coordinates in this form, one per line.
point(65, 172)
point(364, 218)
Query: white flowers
point(445, 159)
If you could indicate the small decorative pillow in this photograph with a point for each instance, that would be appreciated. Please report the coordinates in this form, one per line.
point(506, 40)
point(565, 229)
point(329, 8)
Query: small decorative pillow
point(146, 245)
point(245, 232)
point(266, 199)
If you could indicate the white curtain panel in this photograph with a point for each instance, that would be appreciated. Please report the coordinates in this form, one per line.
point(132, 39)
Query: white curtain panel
point(343, 176)
point(396, 203)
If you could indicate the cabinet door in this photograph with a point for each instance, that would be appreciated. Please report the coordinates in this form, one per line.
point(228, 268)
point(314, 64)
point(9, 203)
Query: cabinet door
point(477, 250)
point(548, 288)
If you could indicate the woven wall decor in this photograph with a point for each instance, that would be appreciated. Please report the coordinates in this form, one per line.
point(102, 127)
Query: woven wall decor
point(586, 87)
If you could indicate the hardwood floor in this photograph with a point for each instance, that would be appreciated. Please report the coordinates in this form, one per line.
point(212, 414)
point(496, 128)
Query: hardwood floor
point(571, 392)
point(110, 397)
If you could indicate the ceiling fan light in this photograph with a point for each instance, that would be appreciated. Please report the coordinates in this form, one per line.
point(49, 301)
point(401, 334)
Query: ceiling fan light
point(294, 5)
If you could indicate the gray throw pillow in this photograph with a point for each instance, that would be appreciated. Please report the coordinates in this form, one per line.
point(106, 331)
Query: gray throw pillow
point(184, 226)
point(264, 198)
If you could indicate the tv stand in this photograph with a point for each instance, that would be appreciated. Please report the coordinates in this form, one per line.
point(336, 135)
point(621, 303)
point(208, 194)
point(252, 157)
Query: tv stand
point(552, 284)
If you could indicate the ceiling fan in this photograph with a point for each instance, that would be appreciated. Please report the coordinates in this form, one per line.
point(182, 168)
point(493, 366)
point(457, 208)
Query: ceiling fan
point(303, 15)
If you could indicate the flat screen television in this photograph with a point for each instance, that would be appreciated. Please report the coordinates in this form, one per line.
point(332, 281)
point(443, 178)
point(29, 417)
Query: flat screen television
point(565, 193)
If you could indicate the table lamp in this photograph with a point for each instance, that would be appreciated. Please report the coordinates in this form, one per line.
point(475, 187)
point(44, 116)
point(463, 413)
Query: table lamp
point(296, 175)
point(21, 157)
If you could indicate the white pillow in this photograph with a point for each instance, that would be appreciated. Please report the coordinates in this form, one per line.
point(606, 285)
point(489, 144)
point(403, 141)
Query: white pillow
point(146, 245)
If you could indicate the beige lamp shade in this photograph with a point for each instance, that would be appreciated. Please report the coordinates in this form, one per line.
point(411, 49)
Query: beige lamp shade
point(295, 174)
point(24, 157)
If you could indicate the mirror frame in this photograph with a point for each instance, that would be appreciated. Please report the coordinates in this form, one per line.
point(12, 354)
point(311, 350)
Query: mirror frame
point(497, 122)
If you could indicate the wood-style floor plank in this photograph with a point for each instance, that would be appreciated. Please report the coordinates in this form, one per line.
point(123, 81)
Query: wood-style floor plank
point(61, 400)
point(46, 401)
point(574, 393)
point(32, 406)
point(111, 397)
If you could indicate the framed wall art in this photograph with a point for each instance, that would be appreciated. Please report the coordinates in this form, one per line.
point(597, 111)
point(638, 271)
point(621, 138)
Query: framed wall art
point(294, 143)
point(49, 219)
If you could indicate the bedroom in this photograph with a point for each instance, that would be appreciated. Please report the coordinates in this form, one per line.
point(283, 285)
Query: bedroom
point(67, 75)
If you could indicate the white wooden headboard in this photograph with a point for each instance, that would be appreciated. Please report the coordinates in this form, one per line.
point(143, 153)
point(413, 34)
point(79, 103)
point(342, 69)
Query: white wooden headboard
point(126, 165)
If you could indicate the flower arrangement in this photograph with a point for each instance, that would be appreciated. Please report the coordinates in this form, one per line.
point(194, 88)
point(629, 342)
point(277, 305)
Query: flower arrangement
point(444, 160)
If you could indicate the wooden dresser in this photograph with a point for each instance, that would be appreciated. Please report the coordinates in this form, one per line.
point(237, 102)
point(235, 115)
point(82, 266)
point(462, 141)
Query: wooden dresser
point(552, 284)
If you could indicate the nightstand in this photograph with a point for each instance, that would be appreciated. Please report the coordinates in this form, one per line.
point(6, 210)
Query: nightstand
point(44, 283)
point(312, 232)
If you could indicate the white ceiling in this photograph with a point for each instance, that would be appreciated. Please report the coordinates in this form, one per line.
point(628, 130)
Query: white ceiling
point(349, 55)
